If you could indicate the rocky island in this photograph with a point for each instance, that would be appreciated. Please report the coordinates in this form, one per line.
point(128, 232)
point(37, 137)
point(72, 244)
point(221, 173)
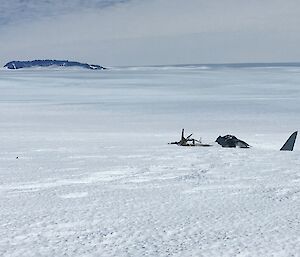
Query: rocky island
point(14, 65)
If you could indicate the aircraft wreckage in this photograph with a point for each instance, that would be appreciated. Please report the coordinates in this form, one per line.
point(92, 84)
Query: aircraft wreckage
point(230, 141)
point(188, 141)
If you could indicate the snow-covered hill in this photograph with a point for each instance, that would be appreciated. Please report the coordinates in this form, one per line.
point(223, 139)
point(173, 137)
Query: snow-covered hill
point(95, 176)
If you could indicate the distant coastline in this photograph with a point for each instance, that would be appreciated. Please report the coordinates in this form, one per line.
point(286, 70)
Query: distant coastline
point(221, 65)
point(14, 65)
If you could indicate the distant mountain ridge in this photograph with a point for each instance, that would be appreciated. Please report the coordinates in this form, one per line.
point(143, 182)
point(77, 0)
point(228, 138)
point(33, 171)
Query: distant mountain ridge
point(14, 65)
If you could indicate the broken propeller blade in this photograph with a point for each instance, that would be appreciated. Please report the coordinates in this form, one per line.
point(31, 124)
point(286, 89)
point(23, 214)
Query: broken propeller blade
point(182, 134)
point(189, 136)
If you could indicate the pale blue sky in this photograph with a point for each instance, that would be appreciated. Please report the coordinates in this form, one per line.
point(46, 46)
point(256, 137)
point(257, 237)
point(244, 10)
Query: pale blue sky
point(141, 32)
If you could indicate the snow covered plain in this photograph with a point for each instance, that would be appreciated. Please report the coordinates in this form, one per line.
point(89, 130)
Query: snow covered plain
point(96, 177)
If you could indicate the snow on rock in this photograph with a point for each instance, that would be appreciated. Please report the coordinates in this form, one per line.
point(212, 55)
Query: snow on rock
point(50, 63)
point(96, 177)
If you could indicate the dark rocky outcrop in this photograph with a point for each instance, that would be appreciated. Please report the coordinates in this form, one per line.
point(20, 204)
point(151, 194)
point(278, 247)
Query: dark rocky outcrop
point(50, 63)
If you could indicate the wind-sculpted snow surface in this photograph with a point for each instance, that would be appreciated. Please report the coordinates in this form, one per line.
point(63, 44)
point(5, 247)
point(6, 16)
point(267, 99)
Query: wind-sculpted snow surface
point(96, 177)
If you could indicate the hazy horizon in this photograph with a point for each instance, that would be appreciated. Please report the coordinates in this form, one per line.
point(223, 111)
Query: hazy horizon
point(225, 64)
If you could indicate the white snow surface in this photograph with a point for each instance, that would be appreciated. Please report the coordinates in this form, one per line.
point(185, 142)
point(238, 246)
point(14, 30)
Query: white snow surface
point(95, 176)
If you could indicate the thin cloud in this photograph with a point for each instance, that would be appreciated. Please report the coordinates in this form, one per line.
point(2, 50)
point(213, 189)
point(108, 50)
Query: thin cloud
point(18, 11)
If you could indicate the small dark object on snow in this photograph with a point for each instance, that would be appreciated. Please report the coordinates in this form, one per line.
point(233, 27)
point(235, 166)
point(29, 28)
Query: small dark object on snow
point(17, 157)
point(289, 144)
point(231, 141)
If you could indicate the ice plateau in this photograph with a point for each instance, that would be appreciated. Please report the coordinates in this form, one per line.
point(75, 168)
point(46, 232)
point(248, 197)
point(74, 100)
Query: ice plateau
point(95, 176)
